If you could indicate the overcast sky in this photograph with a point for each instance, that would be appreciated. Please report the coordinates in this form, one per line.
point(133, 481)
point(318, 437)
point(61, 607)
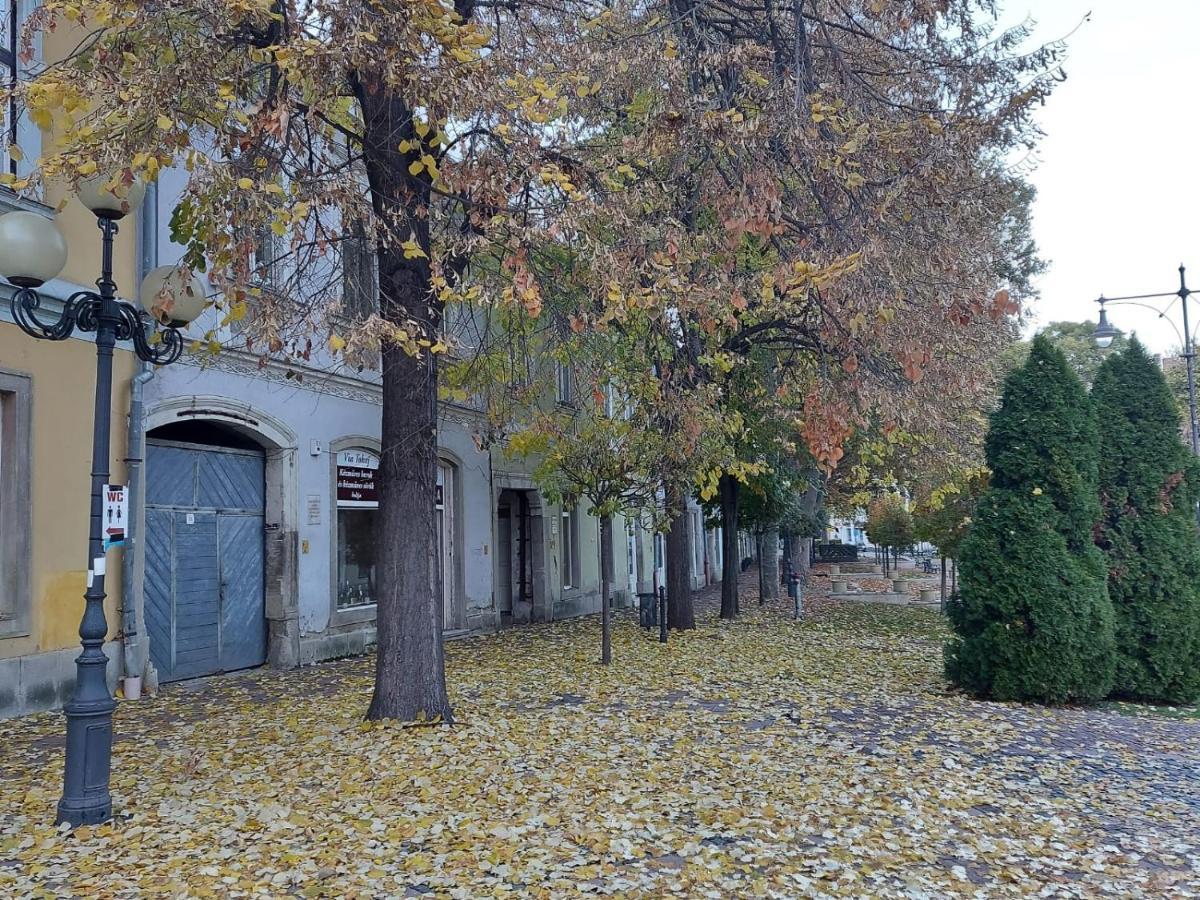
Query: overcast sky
point(1118, 172)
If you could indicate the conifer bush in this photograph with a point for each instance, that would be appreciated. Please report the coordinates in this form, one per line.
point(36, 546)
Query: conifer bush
point(1033, 621)
point(1148, 483)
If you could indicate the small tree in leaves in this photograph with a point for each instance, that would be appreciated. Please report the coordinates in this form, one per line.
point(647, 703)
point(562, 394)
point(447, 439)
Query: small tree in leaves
point(1148, 482)
point(1034, 621)
point(889, 524)
point(944, 517)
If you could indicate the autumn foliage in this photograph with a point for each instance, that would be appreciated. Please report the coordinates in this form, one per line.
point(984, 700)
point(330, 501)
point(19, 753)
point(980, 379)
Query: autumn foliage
point(807, 201)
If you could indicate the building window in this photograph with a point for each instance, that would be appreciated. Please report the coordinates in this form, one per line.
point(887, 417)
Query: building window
point(357, 513)
point(360, 279)
point(570, 548)
point(15, 503)
point(563, 378)
point(264, 260)
point(8, 76)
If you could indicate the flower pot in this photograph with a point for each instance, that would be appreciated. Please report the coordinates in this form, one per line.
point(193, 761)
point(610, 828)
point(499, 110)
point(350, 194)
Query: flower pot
point(837, 586)
point(131, 687)
point(930, 595)
point(835, 569)
point(900, 585)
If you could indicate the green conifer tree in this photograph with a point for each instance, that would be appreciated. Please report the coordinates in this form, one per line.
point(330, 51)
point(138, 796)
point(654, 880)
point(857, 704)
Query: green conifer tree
point(1148, 482)
point(1034, 621)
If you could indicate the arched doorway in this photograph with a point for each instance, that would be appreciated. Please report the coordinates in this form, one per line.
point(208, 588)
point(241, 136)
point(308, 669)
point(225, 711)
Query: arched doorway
point(204, 579)
point(520, 573)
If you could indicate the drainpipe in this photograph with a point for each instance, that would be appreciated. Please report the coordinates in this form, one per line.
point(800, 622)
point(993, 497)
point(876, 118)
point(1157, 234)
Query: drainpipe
point(132, 611)
point(133, 624)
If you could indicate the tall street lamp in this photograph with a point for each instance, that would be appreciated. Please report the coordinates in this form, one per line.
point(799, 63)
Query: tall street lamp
point(1104, 334)
point(33, 251)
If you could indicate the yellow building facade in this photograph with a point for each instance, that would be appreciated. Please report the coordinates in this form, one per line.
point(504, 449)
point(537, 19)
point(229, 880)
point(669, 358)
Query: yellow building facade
point(47, 396)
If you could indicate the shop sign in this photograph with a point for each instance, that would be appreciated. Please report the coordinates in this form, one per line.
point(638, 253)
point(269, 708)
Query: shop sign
point(356, 478)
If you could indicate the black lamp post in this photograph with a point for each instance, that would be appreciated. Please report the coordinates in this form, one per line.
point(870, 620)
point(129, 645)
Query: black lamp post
point(1104, 334)
point(32, 251)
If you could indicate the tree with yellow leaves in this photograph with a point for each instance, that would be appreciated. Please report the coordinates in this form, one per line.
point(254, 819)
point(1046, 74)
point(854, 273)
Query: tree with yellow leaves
point(819, 182)
point(418, 133)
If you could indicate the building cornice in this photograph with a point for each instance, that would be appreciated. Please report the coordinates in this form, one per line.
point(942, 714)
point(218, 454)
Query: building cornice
point(311, 378)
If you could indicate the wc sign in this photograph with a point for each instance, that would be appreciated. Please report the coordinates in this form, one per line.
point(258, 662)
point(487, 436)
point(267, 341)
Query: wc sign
point(115, 515)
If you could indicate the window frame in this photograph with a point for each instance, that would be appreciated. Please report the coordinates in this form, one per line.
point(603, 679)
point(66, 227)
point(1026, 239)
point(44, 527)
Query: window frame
point(564, 384)
point(27, 135)
point(360, 275)
point(16, 486)
point(570, 569)
point(347, 615)
point(8, 75)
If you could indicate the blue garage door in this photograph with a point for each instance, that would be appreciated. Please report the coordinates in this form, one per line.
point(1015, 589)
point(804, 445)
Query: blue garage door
point(204, 559)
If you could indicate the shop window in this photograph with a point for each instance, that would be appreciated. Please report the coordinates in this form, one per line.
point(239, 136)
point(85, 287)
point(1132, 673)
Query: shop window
point(15, 404)
point(357, 520)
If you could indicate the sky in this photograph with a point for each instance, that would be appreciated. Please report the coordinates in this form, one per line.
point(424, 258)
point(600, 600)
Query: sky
point(1118, 171)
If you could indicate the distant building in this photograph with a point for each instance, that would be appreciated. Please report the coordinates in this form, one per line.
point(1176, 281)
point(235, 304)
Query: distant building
point(848, 529)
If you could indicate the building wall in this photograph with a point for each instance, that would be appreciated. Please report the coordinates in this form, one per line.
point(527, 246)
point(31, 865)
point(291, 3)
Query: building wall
point(36, 662)
point(318, 417)
point(37, 668)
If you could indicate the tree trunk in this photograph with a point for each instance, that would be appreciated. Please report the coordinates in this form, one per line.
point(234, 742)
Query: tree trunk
point(681, 614)
point(410, 677)
point(953, 575)
point(944, 581)
point(788, 542)
point(731, 563)
point(770, 562)
point(804, 557)
point(605, 610)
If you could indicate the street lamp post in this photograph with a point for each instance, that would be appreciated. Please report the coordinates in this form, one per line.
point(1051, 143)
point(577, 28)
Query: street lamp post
point(1104, 334)
point(33, 251)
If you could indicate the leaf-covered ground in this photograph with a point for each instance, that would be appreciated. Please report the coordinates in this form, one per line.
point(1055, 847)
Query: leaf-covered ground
point(764, 758)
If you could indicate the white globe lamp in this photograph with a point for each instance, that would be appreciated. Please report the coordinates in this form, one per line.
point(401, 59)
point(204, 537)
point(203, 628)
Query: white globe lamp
point(32, 249)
